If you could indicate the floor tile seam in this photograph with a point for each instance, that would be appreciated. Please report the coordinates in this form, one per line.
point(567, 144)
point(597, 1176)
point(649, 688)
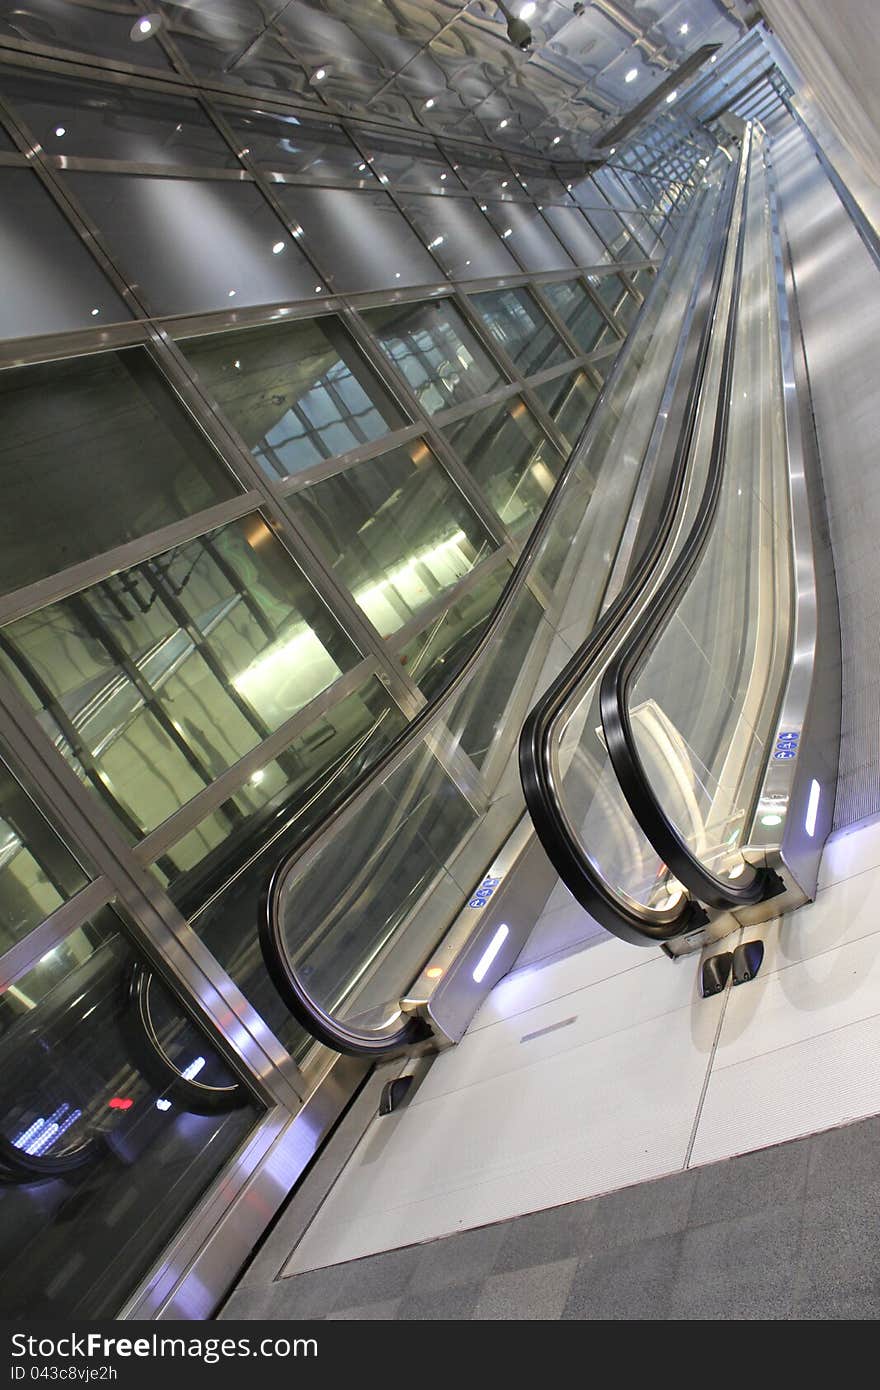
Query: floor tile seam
point(798, 1042)
point(775, 969)
point(481, 1028)
point(710, 1063)
point(540, 1061)
point(475, 1187)
point(848, 878)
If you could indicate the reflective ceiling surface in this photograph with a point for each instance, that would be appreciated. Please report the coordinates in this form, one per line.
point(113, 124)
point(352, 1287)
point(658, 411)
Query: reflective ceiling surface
point(442, 65)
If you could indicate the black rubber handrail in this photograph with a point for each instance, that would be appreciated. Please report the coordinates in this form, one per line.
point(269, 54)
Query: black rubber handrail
point(631, 921)
point(326, 1028)
point(754, 884)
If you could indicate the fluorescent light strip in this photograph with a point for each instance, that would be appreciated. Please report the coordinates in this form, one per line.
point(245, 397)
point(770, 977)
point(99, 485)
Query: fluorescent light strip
point(812, 808)
point(491, 952)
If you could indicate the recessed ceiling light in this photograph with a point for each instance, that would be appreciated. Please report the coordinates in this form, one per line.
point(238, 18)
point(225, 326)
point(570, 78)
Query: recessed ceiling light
point(631, 75)
point(502, 124)
point(504, 183)
point(145, 27)
point(527, 10)
point(232, 294)
point(60, 130)
point(95, 311)
point(320, 74)
point(556, 139)
point(278, 248)
point(318, 289)
point(613, 149)
point(672, 96)
point(684, 28)
point(442, 177)
point(429, 103)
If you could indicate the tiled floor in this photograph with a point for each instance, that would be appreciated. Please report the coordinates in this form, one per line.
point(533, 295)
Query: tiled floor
point(600, 1069)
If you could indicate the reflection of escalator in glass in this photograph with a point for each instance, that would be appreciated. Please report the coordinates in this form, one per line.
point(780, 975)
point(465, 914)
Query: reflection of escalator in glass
point(64, 1104)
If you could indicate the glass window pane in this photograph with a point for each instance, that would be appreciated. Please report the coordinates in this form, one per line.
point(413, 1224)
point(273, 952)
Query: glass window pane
point(487, 176)
point(296, 145)
point(530, 239)
point(507, 452)
point(106, 1144)
point(218, 872)
point(106, 121)
point(396, 530)
point(48, 281)
point(195, 243)
point(439, 651)
point(521, 329)
point(37, 872)
point(154, 681)
point(577, 236)
point(408, 163)
point(609, 288)
point(432, 346)
point(569, 399)
point(321, 761)
point(94, 452)
point(82, 29)
point(297, 393)
point(361, 236)
point(464, 243)
point(579, 314)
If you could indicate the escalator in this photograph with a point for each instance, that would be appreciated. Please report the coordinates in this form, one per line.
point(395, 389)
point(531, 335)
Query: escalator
point(675, 685)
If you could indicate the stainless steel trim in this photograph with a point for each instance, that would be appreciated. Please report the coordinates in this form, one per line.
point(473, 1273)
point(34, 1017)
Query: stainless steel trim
point(202, 1261)
point(810, 704)
point(43, 592)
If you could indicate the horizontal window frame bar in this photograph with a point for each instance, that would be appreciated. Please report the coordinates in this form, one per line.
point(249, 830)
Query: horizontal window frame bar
point(165, 836)
point(54, 929)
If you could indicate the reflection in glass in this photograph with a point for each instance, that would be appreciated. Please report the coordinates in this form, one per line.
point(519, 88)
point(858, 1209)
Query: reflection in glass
point(223, 234)
point(522, 330)
point(105, 121)
point(508, 454)
point(569, 399)
point(580, 315)
point(523, 229)
point(154, 681)
point(109, 1135)
point(396, 531)
point(297, 393)
point(461, 240)
point(297, 145)
point(48, 281)
point(360, 235)
point(218, 872)
point(439, 651)
point(94, 452)
point(321, 760)
point(37, 872)
point(435, 350)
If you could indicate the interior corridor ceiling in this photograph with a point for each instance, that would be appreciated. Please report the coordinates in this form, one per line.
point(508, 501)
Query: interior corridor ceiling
point(446, 66)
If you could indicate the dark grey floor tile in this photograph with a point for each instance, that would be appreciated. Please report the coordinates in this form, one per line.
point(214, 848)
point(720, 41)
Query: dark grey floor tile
point(543, 1236)
point(452, 1303)
point(466, 1257)
point(367, 1312)
point(527, 1294)
point(382, 1276)
point(310, 1295)
point(844, 1157)
point(750, 1183)
point(629, 1282)
point(839, 1269)
point(740, 1269)
point(640, 1213)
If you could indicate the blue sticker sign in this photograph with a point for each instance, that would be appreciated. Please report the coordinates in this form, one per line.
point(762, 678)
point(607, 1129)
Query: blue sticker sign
point(484, 892)
point(786, 745)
